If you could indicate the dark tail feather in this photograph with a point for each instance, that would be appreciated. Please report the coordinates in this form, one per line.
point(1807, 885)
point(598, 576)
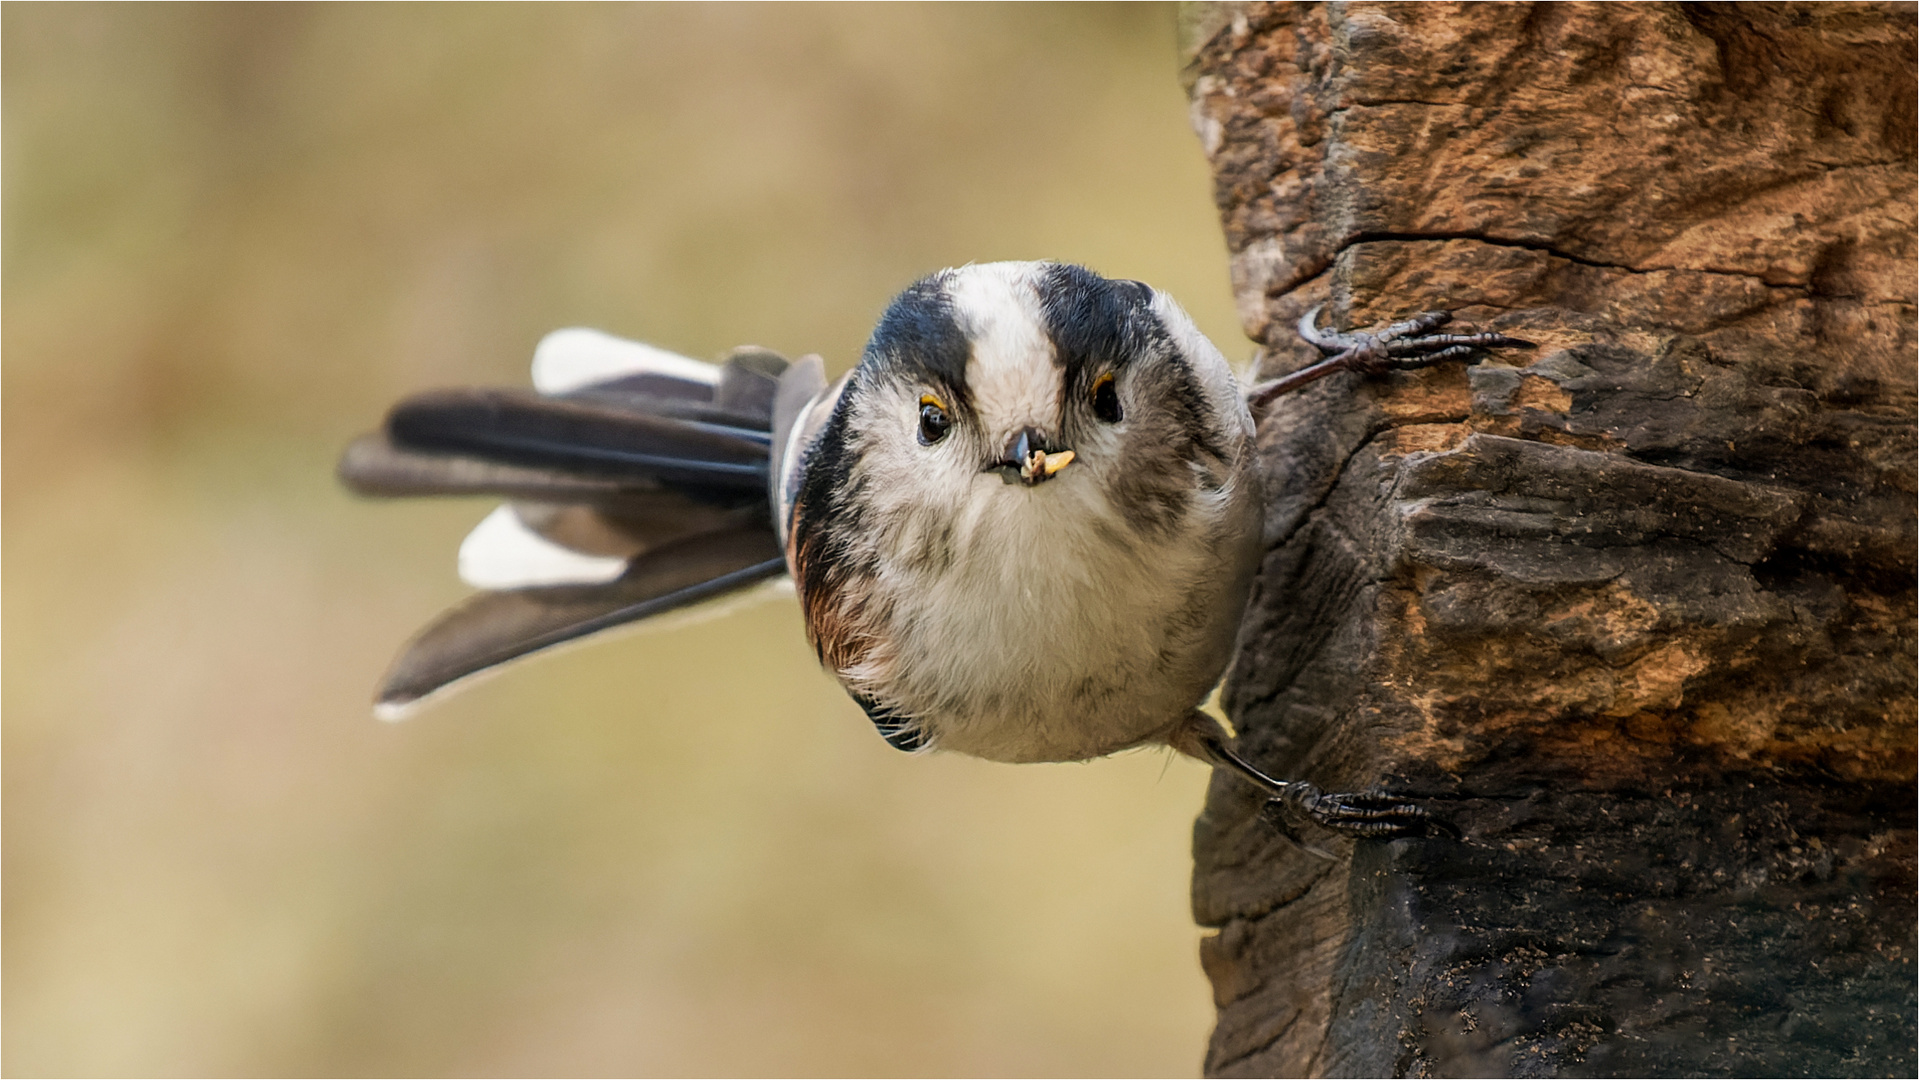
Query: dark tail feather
point(668, 474)
point(649, 514)
point(495, 627)
point(373, 465)
point(585, 437)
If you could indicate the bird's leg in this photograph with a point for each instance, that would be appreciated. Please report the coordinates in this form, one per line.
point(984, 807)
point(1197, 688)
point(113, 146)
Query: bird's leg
point(1402, 346)
point(1360, 813)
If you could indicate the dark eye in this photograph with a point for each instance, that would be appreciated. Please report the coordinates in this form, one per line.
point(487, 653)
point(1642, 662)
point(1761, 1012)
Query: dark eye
point(1106, 399)
point(933, 420)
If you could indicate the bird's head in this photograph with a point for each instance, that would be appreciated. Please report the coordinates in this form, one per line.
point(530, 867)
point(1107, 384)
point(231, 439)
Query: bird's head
point(997, 389)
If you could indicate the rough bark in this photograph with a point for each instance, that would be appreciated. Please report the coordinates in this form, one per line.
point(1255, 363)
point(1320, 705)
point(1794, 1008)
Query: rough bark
point(1636, 610)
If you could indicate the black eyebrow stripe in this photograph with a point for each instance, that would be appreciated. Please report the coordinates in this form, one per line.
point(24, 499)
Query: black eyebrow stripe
point(1097, 324)
point(919, 337)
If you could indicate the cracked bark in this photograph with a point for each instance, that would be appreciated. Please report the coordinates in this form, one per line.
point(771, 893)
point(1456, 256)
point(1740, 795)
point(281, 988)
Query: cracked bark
point(1637, 609)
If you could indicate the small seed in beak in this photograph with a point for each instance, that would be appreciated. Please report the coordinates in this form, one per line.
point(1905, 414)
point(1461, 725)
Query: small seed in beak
point(1027, 461)
point(1040, 465)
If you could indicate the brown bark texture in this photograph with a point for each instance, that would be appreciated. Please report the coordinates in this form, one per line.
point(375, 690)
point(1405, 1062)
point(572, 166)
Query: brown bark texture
point(1634, 609)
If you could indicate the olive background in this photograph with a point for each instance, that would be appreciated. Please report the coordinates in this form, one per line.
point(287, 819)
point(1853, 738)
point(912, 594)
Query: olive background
point(232, 236)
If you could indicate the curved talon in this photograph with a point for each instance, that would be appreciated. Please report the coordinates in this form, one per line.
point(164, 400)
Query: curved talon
point(1309, 329)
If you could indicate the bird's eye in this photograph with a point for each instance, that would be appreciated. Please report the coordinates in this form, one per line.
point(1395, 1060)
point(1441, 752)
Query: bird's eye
point(1106, 399)
point(933, 420)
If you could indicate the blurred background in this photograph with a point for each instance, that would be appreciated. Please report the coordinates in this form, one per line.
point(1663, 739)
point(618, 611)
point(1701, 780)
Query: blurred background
point(232, 236)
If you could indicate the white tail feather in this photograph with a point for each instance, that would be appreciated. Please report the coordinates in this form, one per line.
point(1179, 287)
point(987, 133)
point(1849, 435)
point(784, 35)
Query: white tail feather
point(502, 553)
point(571, 359)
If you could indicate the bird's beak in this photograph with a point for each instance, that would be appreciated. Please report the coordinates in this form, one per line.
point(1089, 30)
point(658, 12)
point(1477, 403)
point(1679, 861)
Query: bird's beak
point(1028, 461)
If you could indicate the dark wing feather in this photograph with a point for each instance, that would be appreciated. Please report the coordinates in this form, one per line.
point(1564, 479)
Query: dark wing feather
point(495, 627)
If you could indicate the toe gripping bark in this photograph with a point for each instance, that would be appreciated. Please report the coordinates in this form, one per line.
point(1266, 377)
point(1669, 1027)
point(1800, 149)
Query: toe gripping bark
point(1366, 814)
point(1402, 346)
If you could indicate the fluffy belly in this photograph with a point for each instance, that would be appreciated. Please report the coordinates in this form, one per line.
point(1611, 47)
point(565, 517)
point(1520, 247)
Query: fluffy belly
point(1065, 665)
point(1055, 631)
point(1073, 718)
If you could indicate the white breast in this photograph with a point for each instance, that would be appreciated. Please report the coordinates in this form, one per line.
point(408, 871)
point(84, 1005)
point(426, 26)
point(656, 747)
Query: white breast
point(1056, 635)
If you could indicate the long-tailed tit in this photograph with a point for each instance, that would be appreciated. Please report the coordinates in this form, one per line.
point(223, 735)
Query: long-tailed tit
point(1022, 528)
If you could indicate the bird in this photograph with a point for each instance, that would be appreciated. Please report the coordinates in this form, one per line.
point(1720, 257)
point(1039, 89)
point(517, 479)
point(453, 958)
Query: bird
point(1023, 527)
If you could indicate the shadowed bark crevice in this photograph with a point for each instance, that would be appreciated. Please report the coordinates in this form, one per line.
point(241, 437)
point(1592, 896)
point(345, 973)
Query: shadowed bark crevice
point(1548, 249)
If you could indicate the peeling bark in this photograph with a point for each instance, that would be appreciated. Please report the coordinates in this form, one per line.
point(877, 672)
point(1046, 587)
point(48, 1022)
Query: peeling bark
point(1637, 610)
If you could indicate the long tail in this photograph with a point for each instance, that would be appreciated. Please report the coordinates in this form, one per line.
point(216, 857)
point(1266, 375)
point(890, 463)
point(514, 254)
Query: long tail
point(637, 483)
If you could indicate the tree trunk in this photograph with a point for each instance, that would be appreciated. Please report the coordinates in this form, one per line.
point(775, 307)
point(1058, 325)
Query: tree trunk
point(1635, 610)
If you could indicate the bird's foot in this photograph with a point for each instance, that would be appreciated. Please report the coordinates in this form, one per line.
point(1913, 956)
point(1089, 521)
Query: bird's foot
point(1366, 814)
point(1403, 346)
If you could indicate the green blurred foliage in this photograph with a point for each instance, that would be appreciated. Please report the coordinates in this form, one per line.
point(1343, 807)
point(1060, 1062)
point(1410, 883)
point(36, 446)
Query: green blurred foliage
point(232, 235)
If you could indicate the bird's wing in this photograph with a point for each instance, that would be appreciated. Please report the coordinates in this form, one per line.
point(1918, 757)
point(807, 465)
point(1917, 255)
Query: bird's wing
point(800, 409)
